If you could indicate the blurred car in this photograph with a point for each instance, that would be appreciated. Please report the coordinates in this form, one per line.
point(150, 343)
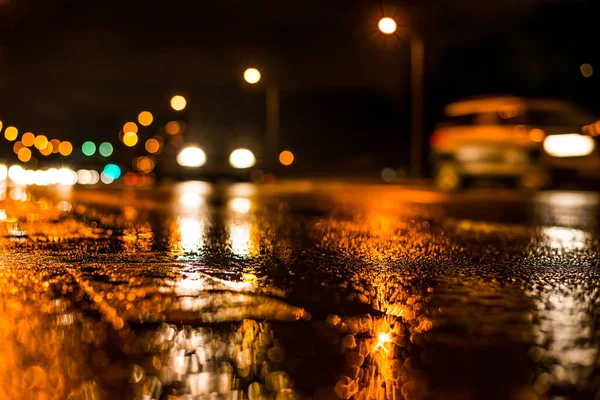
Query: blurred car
point(191, 152)
point(530, 141)
point(192, 161)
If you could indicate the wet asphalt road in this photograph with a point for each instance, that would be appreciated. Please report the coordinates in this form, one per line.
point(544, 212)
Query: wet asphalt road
point(299, 290)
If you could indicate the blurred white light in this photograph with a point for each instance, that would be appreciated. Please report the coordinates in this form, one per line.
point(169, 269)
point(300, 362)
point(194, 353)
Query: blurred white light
point(52, 176)
point(18, 194)
point(95, 177)
point(240, 205)
point(387, 25)
point(84, 177)
point(252, 75)
point(64, 206)
point(66, 177)
point(242, 158)
point(191, 231)
point(569, 145)
point(41, 178)
point(106, 179)
point(565, 238)
point(3, 172)
point(240, 236)
point(29, 177)
point(191, 157)
point(190, 200)
point(17, 174)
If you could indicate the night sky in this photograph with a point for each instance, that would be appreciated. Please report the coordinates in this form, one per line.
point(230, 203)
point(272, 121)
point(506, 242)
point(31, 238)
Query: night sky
point(75, 69)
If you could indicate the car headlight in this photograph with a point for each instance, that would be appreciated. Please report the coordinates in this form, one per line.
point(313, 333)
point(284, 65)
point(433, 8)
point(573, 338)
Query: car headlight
point(569, 145)
point(242, 158)
point(191, 157)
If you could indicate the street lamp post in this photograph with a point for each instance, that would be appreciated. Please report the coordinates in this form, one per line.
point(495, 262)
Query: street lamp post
point(388, 26)
point(272, 101)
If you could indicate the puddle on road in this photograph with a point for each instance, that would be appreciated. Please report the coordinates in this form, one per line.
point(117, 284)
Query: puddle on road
point(227, 294)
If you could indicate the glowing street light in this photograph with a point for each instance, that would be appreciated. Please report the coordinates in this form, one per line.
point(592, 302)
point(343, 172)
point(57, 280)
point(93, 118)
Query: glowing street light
point(178, 102)
point(252, 75)
point(387, 25)
point(272, 101)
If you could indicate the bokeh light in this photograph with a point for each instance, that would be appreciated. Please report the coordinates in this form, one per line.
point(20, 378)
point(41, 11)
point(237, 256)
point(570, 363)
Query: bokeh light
point(252, 75)
point(178, 102)
point(537, 135)
point(40, 142)
point(47, 150)
point(130, 139)
point(130, 179)
point(105, 149)
point(387, 25)
point(286, 157)
point(84, 177)
point(240, 205)
point(55, 143)
point(11, 133)
point(173, 127)
point(242, 158)
point(586, 70)
point(144, 164)
point(112, 171)
point(569, 145)
point(18, 146)
point(145, 118)
point(88, 148)
point(67, 177)
point(24, 154)
point(27, 139)
point(130, 127)
point(388, 174)
point(106, 179)
point(65, 148)
point(191, 157)
point(152, 146)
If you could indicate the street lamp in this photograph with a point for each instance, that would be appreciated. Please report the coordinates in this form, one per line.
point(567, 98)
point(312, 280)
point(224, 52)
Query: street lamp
point(253, 76)
point(388, 26)
point(178, 102)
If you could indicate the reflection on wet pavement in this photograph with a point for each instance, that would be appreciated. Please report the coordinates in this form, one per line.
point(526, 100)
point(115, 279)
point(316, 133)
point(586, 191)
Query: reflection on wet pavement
point(238, 291)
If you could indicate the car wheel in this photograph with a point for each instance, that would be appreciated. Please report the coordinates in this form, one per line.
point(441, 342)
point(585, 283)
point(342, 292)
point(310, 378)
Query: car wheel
point(534, 179)
point(448, 177)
